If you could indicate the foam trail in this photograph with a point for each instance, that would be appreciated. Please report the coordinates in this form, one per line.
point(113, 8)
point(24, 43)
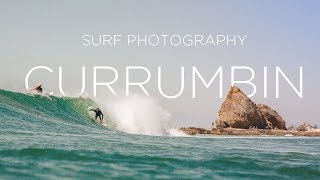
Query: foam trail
point(137, 114)
point(176, 132)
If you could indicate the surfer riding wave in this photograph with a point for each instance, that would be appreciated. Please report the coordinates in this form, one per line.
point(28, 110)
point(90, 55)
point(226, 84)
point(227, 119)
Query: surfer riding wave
point(98, 114)
point(38, 88)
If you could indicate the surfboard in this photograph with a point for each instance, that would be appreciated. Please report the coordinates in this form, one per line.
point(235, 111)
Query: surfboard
point(104, 124)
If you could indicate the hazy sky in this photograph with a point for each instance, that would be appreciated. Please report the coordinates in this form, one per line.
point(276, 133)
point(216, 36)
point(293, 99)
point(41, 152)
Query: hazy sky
point(280, 33)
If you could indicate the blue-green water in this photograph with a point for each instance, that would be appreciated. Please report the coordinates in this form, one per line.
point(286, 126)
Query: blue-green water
point(43, 138)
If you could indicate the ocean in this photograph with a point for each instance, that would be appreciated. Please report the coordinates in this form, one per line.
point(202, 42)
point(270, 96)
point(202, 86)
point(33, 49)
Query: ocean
point(53, 137)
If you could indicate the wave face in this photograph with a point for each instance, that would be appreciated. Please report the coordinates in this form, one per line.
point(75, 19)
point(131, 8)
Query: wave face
point(53, 138)
point(21, 112)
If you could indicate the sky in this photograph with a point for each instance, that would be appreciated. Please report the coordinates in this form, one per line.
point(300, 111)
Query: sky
point(279, 33)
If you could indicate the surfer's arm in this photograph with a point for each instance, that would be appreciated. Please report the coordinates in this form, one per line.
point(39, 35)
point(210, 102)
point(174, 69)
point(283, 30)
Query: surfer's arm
point(32, 89)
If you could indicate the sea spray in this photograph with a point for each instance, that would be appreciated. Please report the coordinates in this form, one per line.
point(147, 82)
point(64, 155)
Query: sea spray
point(176, 132)
point(137, 114)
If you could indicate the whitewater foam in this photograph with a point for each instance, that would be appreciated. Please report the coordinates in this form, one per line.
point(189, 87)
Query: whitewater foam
point(176, 132)
point(137, 114)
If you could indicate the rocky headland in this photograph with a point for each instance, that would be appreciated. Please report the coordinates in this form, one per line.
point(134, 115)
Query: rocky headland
point(239, 115)
point(238, 111)
point(248, 132)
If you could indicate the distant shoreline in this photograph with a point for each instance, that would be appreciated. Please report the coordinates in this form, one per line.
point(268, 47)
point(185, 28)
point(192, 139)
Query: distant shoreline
point(249, 132)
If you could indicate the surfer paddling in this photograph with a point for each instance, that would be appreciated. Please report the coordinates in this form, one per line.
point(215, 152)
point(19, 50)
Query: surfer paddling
point(98, 114)
point(37, 88)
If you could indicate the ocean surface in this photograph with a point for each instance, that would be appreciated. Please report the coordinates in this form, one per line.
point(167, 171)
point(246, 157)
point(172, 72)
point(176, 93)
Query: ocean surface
point(50, 138)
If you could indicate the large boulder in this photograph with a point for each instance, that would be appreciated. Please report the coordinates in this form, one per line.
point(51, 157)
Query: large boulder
point(272, 117)
point(238, 111)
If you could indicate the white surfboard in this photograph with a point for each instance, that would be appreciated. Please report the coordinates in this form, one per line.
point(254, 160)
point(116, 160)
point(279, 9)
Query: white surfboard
point(104, 124)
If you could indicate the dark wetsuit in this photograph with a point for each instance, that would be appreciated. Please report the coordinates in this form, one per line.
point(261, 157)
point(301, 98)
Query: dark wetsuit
point(39, 89)
point(98, 113)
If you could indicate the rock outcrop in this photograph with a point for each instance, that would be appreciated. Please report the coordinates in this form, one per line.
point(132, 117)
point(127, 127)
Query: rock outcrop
point(274, 120)
point(238, 111)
